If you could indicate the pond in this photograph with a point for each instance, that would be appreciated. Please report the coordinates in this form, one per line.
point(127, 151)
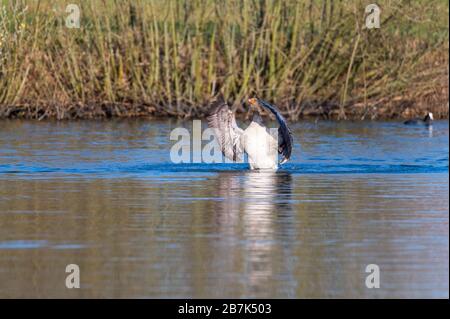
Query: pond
point(104, 195)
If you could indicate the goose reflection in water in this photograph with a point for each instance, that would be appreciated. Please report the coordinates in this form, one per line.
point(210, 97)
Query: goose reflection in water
point(256, 210)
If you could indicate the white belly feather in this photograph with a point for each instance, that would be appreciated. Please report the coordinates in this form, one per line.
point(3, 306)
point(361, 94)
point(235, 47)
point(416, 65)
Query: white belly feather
point(261, 147)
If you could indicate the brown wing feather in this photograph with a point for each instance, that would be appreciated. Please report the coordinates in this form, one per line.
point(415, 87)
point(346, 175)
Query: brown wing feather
point(228, 134)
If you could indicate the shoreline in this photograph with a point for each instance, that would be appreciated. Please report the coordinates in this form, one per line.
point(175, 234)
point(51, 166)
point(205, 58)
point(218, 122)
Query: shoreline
point(402, 110)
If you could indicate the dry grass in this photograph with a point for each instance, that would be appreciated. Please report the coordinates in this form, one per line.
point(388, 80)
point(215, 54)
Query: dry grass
point(169, 58)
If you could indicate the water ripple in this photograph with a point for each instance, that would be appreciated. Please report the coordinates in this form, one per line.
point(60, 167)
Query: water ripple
point(293, 168)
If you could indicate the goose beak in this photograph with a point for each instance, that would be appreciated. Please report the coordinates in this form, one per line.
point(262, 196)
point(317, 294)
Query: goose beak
point(252, 101)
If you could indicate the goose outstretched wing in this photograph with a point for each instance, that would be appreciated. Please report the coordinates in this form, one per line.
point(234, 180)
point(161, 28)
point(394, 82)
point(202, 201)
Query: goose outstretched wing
point(228, 134)
point(285, 140)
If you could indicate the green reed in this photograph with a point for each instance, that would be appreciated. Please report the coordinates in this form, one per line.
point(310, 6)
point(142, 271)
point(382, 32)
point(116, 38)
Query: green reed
point(169, 57)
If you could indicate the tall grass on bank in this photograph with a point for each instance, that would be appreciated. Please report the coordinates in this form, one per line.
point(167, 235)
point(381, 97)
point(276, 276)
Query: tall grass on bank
point(169, 57)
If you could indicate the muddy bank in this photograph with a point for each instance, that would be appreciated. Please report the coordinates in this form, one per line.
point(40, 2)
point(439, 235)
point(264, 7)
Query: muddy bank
point(436, 101)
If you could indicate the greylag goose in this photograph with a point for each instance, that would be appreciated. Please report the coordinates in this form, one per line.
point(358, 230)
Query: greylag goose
point(261, 144)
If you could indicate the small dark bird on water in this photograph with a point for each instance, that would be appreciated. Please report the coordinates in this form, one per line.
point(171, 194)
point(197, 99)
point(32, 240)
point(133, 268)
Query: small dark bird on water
point(427, 120)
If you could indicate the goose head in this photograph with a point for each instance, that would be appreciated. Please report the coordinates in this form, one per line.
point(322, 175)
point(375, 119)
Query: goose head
point(255, 110)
